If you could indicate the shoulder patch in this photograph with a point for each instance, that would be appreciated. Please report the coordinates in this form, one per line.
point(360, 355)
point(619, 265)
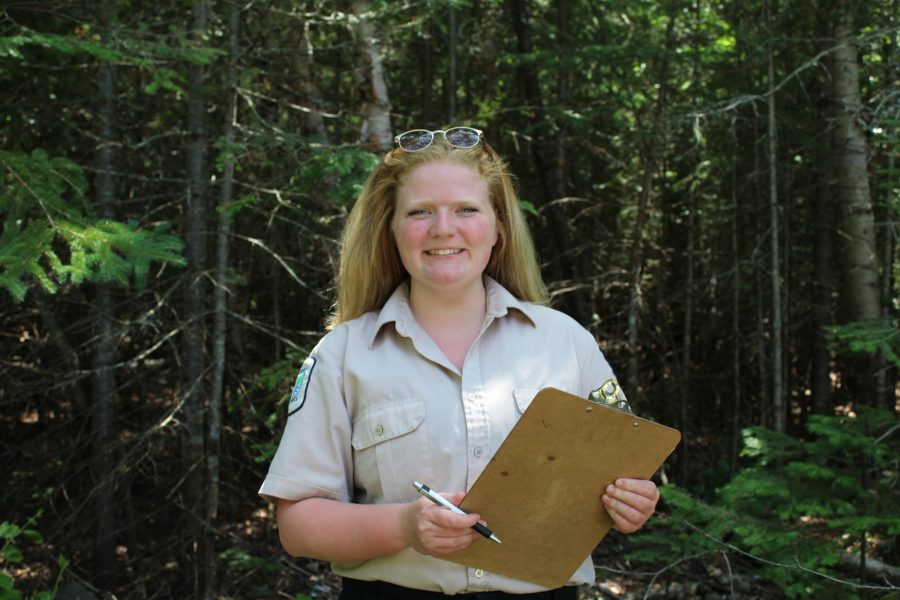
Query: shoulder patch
point(298, 394)
point(610, 394)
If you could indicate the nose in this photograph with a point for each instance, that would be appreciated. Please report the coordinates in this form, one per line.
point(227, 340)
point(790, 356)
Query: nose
point(442, 224)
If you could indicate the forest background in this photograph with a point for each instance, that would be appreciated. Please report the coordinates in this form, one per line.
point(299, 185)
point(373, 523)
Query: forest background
point(714, 193)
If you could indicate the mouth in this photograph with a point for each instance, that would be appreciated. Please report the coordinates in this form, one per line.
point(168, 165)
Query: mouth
point(443, 251)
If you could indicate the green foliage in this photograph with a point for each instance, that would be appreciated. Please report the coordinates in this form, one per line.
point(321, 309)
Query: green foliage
point(337, 172)
point(10, 553)
point(50, 237)
point(150, 56)
point(798, 506)
point(240, 561)
point(274, 383)
point(870, 337)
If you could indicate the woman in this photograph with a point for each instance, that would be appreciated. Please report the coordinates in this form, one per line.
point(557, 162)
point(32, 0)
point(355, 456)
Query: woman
point(430, 361)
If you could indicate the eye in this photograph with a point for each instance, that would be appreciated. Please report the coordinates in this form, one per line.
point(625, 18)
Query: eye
point(417, 212)
point(469, 210)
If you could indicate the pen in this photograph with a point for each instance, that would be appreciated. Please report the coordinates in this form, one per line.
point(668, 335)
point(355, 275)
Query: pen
point(441, 501)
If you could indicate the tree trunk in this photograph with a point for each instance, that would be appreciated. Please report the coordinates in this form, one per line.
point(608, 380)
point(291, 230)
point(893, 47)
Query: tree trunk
point(195, 232)
point(552, 185)
point(823, 253)
point(890, 374)
point(778, 407)
point(564, 94)
point(309, 95)
point(636, 251)
point(736, 225)
point(452, 66)
point(375, 131)
point(104, 384)
point(855, 220)
point(220, 300)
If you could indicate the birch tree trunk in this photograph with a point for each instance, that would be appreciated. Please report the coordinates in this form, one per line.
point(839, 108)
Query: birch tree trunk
point(375, 131)
point(855, 221)
point(193, 340)
point(778, 405)
point(104, 388)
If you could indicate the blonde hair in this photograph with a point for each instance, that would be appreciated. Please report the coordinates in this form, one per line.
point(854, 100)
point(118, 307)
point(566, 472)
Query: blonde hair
point(370, 268)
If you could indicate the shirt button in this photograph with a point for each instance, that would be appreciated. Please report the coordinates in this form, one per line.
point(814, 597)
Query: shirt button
point(379, 430)
point(471, 396)
point(479, 573)
point(477, 451)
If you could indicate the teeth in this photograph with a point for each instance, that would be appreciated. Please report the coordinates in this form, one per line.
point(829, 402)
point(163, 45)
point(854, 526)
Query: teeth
point(444, 252)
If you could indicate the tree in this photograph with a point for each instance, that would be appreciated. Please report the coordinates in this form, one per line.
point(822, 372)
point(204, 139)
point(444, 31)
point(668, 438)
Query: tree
point(196, 234)
point(375, 130)
point(855, 222)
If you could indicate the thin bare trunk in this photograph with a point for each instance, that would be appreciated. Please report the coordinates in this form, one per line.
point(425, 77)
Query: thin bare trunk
point(375, 131)
point(543, 149)
point(823, 253)
point(564, 96)
point(195, 232)
point(220, 301)
point(636, 252)
point(452, 67)
point(104, 384)
point(310, 97)
point(778, 404)
point(735, 306)
point(889, 374)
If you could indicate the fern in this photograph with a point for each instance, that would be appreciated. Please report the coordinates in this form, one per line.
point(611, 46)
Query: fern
point(797, 507)
point(870, 337)
point(50, 238)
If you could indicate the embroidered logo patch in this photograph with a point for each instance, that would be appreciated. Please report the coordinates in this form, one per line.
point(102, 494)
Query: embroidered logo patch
point(298, 394)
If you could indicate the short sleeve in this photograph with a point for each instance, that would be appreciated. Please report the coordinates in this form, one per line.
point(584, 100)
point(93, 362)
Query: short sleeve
point(314, 455)
point(598, 381)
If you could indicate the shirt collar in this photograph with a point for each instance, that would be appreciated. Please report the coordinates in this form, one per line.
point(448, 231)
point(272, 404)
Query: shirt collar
point(398, 311)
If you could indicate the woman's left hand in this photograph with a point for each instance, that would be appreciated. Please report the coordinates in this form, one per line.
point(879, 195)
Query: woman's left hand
point(630, 502)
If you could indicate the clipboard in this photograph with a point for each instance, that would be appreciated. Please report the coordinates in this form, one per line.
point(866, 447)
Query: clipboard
point(541, 491)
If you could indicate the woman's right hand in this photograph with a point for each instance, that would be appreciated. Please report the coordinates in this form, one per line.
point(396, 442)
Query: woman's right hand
point(433, 530)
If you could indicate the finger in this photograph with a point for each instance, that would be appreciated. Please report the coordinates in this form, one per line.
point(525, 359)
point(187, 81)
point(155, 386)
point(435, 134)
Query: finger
point(624, 511)
point(642, 487)
point(640, 493)
point(620, 522)
point(642, 504)
point(447, 545)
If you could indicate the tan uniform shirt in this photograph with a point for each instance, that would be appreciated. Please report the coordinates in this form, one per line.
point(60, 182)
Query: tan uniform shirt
point(378, 406)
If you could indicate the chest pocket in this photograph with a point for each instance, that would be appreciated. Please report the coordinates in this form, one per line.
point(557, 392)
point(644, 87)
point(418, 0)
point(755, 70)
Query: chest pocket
point(390, 451)
point(524, 397)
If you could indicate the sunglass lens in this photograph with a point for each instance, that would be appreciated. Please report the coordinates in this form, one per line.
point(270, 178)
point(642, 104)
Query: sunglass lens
point(415, 140)
point(462, 137)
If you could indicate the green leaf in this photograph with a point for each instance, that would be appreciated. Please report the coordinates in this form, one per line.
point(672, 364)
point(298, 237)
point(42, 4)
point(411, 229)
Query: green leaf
point(34, 536)
point(6, 581)
point(528, 207)
point(9, 531)
point(12, 554)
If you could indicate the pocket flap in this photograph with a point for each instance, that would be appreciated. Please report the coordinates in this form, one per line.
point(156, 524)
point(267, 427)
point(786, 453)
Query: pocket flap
point(523, 397)
point(387, 421)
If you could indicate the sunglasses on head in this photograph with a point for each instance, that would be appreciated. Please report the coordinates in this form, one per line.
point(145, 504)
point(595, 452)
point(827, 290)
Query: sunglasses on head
point(419, 139)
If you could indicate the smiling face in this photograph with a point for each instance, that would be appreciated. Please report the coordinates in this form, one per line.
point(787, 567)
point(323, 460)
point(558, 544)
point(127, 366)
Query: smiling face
point(444, 227)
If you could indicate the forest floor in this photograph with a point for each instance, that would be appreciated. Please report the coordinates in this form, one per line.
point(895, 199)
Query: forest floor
point(616, 579)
